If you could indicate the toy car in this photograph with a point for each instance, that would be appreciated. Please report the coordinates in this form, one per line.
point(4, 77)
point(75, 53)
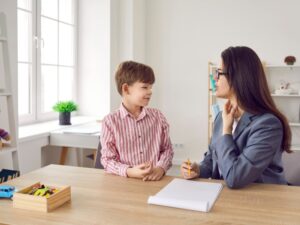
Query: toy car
point(6, 191)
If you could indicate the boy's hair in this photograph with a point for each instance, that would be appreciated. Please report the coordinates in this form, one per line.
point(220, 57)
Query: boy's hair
point(129, 72)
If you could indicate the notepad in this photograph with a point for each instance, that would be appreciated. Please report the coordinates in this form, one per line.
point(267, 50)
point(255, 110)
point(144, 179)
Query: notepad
point(187, 194)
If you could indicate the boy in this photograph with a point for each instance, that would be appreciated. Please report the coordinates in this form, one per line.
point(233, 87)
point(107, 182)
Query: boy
point(135, 139)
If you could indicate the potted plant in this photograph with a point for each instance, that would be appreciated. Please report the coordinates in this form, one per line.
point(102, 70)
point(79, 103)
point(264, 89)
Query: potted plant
point(65, 108)
point(290, 60)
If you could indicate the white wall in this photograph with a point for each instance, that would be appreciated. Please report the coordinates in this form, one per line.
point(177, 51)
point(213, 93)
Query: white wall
point(182, 36)
point(127, 38)
point(94, 57)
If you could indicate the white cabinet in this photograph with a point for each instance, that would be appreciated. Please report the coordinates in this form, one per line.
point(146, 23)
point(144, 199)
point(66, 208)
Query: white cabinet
point(287, 101)
point(7, 114)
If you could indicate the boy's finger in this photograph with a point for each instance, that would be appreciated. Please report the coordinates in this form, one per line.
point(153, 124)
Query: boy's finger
point(146, 172)
point(150, 168)
point(145, 178)
point(141, 166)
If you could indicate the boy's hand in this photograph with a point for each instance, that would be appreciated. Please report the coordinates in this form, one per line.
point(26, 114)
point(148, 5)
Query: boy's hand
point(157, 174)
point(189, 171)
point(140, 171)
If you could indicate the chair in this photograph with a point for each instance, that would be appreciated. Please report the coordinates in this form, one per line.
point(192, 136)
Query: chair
point(97, 158)
point(292, 167)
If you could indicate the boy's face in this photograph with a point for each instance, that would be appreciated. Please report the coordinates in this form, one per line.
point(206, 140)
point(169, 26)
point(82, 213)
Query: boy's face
point(138, 93)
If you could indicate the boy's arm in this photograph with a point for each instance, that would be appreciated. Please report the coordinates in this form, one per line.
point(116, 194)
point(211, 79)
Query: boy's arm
point(110, 158)
point(166, 150)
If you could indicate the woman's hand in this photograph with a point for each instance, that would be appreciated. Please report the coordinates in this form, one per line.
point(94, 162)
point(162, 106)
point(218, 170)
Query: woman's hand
point(189, 171)
point(228, 117)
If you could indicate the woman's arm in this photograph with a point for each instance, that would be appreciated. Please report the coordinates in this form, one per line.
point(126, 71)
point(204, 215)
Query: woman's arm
point(240, 167)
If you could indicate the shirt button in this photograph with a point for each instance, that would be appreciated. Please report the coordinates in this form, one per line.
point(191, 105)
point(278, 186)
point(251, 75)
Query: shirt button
point(141, 152)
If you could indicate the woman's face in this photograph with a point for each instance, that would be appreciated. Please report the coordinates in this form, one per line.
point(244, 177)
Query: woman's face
point(223, 89)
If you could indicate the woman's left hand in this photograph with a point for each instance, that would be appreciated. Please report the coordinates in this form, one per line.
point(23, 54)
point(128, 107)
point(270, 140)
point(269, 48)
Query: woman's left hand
point(228, 117)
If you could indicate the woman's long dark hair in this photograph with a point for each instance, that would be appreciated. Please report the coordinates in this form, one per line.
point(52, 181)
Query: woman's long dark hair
point(247, 78)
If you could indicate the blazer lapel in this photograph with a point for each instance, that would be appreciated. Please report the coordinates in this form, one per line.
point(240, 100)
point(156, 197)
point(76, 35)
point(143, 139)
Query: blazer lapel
point(242, 124)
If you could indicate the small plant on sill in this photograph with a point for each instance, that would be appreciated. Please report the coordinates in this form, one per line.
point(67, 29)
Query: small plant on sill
point(65, 108)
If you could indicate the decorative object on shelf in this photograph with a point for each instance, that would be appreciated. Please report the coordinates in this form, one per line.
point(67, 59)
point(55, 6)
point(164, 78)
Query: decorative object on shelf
point(290, 60)
point(65, 108)
point(284, 89)
point(3, 135)
point(6, 174)
point(212, 83)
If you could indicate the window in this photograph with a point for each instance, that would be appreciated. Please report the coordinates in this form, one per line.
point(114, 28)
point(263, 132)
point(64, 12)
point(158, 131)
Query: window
point(46, 57)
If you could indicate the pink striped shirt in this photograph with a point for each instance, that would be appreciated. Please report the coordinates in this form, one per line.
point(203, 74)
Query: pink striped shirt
point(128, 142)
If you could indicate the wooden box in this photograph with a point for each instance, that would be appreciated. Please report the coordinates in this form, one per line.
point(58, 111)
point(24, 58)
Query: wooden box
point(22, 200)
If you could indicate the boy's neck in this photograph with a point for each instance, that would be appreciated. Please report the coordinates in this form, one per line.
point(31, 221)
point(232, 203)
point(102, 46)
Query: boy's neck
point(132, 109)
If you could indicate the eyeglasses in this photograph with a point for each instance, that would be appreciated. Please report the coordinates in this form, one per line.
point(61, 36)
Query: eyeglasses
point(219, 73)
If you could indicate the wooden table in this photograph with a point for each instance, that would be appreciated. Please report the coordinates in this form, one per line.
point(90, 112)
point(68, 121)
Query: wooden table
point(99, 198)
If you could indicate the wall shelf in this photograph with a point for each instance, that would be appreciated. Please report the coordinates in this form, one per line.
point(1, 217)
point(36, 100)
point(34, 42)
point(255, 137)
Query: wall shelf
point(295, 147)
point(286, 96)
point(5, 94)
point(280, 66)
point(292, 124)
point(7, 149)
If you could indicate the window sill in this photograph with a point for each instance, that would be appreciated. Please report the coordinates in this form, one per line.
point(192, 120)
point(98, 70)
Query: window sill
point(38, 130)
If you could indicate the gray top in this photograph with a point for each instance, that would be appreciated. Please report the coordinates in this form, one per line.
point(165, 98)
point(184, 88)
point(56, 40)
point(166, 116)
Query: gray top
point(252, 154)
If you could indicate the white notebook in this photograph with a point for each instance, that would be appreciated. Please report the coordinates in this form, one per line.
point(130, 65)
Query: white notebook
point(187, 194)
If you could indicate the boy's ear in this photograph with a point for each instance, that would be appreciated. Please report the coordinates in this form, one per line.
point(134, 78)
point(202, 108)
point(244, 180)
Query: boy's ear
point(125, 89)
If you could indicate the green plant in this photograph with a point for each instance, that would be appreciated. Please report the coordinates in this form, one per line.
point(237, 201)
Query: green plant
point(65, 106)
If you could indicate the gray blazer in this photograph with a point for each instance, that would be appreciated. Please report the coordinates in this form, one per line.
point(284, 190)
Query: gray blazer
point(252, 154)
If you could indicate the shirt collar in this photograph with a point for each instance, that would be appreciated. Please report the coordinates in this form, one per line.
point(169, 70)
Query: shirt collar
point(124, 112)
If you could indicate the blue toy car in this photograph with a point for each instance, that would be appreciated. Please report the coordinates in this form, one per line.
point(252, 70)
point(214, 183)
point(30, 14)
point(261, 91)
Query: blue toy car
point(7, 191)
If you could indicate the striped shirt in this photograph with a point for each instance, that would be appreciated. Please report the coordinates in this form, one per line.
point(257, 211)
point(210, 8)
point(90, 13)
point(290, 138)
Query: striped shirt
point(127, 141)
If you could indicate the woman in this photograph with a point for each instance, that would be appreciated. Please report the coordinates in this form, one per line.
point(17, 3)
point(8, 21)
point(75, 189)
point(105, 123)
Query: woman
point(250, 133)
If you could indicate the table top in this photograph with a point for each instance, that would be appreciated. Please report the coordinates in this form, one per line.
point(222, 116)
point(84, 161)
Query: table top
point(100, 198)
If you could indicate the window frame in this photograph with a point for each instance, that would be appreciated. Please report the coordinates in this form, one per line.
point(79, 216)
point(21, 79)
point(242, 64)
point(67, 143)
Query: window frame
point(36, 102)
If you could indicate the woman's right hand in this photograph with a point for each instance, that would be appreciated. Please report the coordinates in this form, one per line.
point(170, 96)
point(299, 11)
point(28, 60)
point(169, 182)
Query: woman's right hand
point(189, 171)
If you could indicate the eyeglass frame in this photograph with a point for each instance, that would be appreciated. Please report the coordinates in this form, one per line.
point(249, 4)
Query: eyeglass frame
point(219, 73)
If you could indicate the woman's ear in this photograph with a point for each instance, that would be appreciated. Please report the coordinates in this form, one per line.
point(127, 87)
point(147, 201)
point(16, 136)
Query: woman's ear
point(125, 89)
